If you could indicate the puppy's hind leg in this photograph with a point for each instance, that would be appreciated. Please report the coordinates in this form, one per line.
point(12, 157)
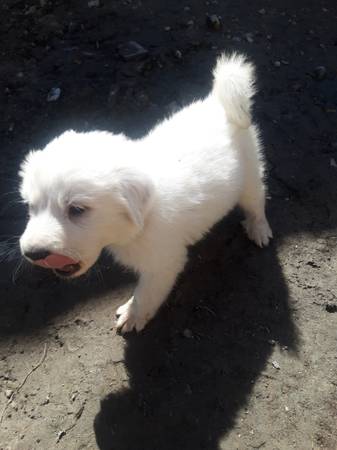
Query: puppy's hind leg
point(252, 199)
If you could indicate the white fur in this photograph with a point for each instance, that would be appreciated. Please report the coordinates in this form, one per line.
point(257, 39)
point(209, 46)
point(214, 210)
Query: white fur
point(149, 199)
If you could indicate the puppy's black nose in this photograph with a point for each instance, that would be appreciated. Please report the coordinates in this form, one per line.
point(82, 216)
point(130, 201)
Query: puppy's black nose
point(35, 255)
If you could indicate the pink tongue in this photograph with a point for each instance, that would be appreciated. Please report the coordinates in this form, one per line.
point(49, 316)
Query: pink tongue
point(55, 261)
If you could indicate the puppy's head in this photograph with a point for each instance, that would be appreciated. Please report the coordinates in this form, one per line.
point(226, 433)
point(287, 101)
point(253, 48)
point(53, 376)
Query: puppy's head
point(83, 194)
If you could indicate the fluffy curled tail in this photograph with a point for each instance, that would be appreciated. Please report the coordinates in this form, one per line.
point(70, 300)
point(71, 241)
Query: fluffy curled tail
point(234, 85)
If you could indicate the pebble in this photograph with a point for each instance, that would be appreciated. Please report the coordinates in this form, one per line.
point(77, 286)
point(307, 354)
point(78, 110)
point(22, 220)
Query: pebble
point(53, 94)
point(276, 365)
point(320, 73)
point(213, 22)
point(31, 10)
point(132, 50)
point(93, 3)
point(60, 435)
point(45, 401)
point(333, 163)
point(188, 333)
point(14, 405)
point(249, 37)
point(277, 63)
point(178, 54)
point(262, 11)
point(8, 393)
point(331, 308)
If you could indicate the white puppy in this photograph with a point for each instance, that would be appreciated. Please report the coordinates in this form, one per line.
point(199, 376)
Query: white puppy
point(147, 200)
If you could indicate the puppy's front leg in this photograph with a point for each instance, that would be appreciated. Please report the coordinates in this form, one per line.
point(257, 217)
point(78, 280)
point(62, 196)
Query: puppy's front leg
point(152, 290)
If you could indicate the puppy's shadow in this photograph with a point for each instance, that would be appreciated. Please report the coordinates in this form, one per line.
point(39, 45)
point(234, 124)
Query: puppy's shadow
point(194, 366)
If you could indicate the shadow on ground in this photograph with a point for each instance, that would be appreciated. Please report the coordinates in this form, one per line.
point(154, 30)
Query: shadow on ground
point(195, 366)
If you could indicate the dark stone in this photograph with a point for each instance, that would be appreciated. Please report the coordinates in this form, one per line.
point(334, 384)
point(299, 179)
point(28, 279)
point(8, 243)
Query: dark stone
point(132, 50)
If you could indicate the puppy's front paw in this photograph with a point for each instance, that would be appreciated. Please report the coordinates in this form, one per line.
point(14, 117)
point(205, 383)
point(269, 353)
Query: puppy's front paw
point(129, 317)
point(258, 231)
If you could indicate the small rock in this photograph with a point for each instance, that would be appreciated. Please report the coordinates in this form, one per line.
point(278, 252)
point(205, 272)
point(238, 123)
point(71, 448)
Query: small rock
point(45, 401)
point(331, 308)
point(276, 365)
point(14, 405)
point(213, 22)
point(333, 162)
point(8, 393)
point(60, 435)
point(262, 11)
point(132, 50)
point(249, 37)
point(54, 94)
point(190, 23)
point(188, 333)
point(286, 408)
point(31, 10)
point(320, 73)
point(187, 8)
point(178, 54)
point(277, 63)
point(271, 342)
point(93, 3)
point(257, 443)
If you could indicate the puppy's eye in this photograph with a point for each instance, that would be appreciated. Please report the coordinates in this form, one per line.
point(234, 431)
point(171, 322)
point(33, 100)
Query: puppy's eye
point(75, 211)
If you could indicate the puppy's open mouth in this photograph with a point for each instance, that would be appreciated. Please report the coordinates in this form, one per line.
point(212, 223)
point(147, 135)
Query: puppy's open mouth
point(61, 265)
point(68, 270)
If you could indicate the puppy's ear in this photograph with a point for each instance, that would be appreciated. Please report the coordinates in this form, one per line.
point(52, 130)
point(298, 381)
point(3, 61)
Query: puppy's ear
point(137, 193)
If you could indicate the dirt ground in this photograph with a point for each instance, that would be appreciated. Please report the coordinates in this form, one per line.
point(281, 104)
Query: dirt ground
point(243, 355)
